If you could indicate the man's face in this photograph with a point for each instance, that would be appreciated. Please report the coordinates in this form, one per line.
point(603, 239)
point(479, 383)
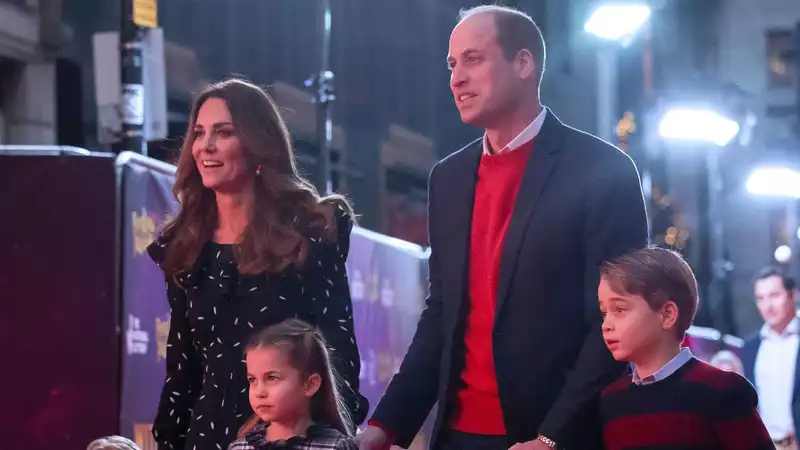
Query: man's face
point(486, 87)
point(775, 304)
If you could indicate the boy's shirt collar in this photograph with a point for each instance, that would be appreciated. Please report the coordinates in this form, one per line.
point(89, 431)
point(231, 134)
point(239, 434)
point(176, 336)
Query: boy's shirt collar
point(666, 370)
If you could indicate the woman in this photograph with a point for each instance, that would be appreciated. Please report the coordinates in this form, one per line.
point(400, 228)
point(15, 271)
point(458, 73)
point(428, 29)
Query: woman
point(253, 244)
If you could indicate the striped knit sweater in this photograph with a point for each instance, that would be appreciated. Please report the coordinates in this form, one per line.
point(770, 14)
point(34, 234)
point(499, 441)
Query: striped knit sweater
point(698, 407)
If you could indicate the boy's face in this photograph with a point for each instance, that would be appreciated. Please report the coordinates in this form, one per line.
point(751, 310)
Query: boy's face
point(631, 329)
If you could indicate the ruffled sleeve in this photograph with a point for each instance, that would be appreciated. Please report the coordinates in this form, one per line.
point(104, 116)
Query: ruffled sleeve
point(333, 313)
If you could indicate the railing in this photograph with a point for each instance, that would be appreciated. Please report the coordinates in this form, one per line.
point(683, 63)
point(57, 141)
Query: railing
point(131, 158)
point(43, 150)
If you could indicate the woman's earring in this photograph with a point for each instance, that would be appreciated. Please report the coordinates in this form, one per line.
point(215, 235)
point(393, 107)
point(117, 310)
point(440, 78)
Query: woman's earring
point(258, 170)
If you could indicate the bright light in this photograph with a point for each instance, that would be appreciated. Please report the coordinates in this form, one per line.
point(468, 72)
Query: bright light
point(697, 124)
point(774, 182)
point(616, 21)
point(783, 254)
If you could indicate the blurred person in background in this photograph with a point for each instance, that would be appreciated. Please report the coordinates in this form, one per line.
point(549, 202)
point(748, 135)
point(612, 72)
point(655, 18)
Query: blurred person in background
point(727, 360)
point(253, 244)
point(520, 220)
point(770, 356)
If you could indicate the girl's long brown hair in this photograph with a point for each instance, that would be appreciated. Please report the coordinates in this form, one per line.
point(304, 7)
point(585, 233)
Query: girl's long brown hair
point(307, 353)
point(288, 210)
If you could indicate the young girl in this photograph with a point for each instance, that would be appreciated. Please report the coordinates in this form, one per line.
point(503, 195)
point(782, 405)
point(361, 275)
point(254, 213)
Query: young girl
point(293, 392)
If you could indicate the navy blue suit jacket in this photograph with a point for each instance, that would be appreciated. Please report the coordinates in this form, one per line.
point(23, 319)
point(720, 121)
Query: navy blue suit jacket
point(749, 353)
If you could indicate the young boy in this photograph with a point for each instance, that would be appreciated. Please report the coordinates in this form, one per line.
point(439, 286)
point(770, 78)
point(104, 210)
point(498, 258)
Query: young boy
point(648, 299)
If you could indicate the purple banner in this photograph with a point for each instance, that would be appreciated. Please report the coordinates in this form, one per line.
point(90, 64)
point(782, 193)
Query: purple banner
point(147, 200)
point(388, 284)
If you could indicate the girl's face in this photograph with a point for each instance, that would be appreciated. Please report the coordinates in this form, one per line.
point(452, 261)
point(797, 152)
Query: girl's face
point(278, 392)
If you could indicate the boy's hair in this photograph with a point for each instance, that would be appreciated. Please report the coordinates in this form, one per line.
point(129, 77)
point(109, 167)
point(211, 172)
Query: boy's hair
point(308, 353)
point(112, 443)
point(657, 275)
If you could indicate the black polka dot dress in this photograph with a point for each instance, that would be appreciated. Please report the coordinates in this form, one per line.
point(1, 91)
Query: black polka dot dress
point(214, 310)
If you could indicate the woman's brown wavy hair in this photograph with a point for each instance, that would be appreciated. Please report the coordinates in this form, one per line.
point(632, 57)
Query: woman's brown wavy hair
point(288, 210)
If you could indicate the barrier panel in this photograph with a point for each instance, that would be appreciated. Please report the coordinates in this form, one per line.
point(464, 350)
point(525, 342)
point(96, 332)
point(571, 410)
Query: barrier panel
point(58, 288)
point(146, 201)
point(388, 284)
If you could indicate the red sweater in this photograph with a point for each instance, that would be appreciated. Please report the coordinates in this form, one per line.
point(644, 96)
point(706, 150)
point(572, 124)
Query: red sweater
point(477, 408)
point(698, 407)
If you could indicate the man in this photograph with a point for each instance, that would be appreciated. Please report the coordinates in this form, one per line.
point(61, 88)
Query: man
point(509, 343)
point(770, 357)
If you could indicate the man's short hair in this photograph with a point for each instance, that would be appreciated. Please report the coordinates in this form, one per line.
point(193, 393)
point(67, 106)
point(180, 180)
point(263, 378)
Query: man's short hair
point(788, 282)
point(515, 31)
point(657, 275)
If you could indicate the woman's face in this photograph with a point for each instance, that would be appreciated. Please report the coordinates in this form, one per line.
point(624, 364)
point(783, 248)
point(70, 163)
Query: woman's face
point(216, 150)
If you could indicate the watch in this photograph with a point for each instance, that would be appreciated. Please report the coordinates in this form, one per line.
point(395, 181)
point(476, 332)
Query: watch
point(547, 441)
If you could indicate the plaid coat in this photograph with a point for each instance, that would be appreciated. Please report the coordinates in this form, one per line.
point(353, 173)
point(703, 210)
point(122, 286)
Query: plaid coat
point(317, 437)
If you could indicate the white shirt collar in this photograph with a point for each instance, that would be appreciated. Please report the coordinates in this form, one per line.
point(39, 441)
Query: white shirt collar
point(530, 132)
point(792, 328)
point(666, 370)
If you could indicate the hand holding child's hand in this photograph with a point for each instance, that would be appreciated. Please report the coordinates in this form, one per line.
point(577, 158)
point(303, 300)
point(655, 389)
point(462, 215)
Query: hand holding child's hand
point(373, 438)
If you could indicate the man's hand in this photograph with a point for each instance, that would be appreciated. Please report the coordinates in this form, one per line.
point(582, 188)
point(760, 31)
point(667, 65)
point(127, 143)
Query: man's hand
point(531, 445)
point(373, 438)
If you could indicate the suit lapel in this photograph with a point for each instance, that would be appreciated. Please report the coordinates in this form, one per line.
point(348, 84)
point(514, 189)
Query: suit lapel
point(461, 195)
point(796, 393)
point(749, 353)
point(540, 166)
